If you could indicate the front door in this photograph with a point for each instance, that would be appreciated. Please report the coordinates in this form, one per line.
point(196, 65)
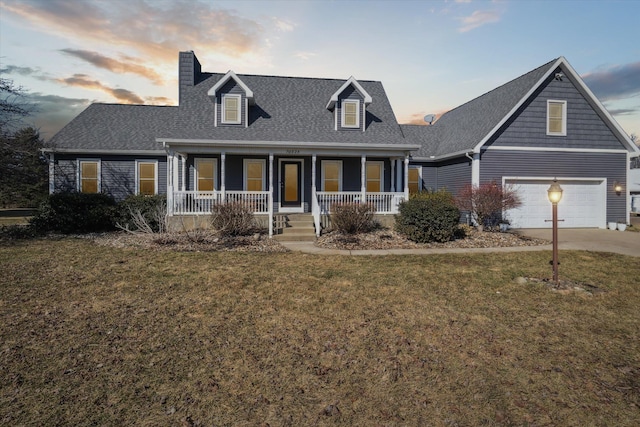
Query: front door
point(291, 183)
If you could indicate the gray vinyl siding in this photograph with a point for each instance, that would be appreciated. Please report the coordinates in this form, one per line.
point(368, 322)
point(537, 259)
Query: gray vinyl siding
point(612, 166)
point(451, 175)
point(350, 93)
point(117, 174)
point(585, 128)
point(231, 87)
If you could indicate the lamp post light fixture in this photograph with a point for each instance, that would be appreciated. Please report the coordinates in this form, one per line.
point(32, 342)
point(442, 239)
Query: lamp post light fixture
point(555, 195)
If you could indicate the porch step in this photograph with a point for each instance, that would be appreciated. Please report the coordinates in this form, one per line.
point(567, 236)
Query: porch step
point(297, 228)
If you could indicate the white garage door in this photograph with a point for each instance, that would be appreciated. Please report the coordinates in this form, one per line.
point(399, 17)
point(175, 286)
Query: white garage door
point(583, 203)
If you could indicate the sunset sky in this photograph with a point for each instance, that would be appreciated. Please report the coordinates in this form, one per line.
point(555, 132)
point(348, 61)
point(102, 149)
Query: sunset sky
point(431, 56)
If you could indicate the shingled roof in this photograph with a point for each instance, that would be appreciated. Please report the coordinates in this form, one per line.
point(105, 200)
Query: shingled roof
point(115, 127)
point(462, 128)
point(290, 109)
point(286, 109)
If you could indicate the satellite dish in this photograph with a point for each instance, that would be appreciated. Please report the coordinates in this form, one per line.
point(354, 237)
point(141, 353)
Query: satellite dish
point(429, 118)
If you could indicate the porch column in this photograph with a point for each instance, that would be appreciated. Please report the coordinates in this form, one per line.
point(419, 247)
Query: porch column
point(270, 195)
point(393, 175)
point(398, 173)
point(314, 197)
point(363, 178)
point(406, 177)
point(184, 172)
point(313, 174)
point(223, 175)
point(170, 161)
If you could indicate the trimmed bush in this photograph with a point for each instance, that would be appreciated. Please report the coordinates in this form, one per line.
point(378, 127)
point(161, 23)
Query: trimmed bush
point(233, 219)
point(143, 213)
point(428, 217)
point(352, 218)
point(76, 213)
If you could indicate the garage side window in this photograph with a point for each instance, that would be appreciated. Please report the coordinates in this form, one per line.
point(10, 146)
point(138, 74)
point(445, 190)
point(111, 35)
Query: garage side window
point(89, 176)
point(556, 118)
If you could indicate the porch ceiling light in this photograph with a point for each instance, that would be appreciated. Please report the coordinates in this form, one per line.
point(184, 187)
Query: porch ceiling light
point(554, 192)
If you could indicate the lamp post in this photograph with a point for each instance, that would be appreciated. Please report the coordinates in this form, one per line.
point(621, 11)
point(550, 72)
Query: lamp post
point(555, 194)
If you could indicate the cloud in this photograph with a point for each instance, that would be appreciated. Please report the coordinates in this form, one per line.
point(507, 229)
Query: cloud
point(478, 19)
point(14, 69)
point(128, 65)
point(53, 112)
point(624, 111)
point(82, 80)
point(283, 26)
point(617, 82)
point(159, 100)
point(304, 55)
point(156, 30)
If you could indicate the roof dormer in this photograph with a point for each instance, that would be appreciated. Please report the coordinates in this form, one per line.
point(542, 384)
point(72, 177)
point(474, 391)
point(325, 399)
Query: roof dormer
point(349, 104)
point(232, 98)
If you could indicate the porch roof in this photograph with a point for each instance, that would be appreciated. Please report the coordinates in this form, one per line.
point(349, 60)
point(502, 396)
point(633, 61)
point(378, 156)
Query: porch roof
point(286, 147)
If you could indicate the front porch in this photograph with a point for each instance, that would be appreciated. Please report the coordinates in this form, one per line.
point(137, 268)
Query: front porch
point(273, 181)
point(261, 203)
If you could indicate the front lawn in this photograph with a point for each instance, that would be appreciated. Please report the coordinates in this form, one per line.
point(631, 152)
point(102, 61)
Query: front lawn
point(97, 335)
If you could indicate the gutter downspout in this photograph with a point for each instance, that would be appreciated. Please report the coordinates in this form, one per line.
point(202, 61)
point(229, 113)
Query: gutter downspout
point(475, 167)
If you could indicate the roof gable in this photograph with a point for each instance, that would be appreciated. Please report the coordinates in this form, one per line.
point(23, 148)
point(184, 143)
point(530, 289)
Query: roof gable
point(351, 81)
point(213, 92)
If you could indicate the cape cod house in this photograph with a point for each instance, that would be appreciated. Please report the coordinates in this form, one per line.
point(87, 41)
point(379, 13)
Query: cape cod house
point(287, 146)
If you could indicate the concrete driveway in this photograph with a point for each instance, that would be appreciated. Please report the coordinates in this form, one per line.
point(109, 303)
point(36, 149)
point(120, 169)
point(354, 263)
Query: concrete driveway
point(591, 239)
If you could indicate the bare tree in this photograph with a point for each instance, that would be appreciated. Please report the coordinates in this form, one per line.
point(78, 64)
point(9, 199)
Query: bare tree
point(14, 106)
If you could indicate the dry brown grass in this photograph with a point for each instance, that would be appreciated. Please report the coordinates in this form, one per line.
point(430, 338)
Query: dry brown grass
point(94, 335)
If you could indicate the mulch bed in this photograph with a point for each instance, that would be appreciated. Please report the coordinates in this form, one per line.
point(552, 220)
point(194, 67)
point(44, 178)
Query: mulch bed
point(389, 239)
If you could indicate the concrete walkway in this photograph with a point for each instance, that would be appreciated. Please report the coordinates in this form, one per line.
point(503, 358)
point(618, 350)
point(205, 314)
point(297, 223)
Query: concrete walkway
point(625, 243)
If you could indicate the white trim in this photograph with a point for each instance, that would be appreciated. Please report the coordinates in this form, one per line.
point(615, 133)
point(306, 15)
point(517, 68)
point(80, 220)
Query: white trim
point(582, 87)
point(343, 113)
point(475, 169)
point(155, 178)
point(223, 108)
point(230, 75)
point(240, 144)
point(322, 177)
point(294, 209)
point(117, 152)
point(79, 172)
point(244, 172)
point(602, 183)
point(555, 149)
point(350, 81)
point(380, 163)
point(563, 132)
point(590, 96)
point(196, 181)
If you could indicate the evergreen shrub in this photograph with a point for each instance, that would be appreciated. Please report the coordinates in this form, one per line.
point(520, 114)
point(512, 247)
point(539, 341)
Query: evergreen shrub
point(428, 217)
point(69, 213)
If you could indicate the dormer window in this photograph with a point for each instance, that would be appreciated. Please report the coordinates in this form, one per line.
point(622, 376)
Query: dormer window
point(231, 109)
point(231, 98)
point(350, 116)
point(349, 104)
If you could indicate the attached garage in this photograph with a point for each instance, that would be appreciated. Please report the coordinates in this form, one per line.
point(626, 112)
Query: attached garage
point(583, 204)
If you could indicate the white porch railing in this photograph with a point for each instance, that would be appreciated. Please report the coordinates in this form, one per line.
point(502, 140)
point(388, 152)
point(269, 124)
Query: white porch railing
point(201, 202)
point(384, 203)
